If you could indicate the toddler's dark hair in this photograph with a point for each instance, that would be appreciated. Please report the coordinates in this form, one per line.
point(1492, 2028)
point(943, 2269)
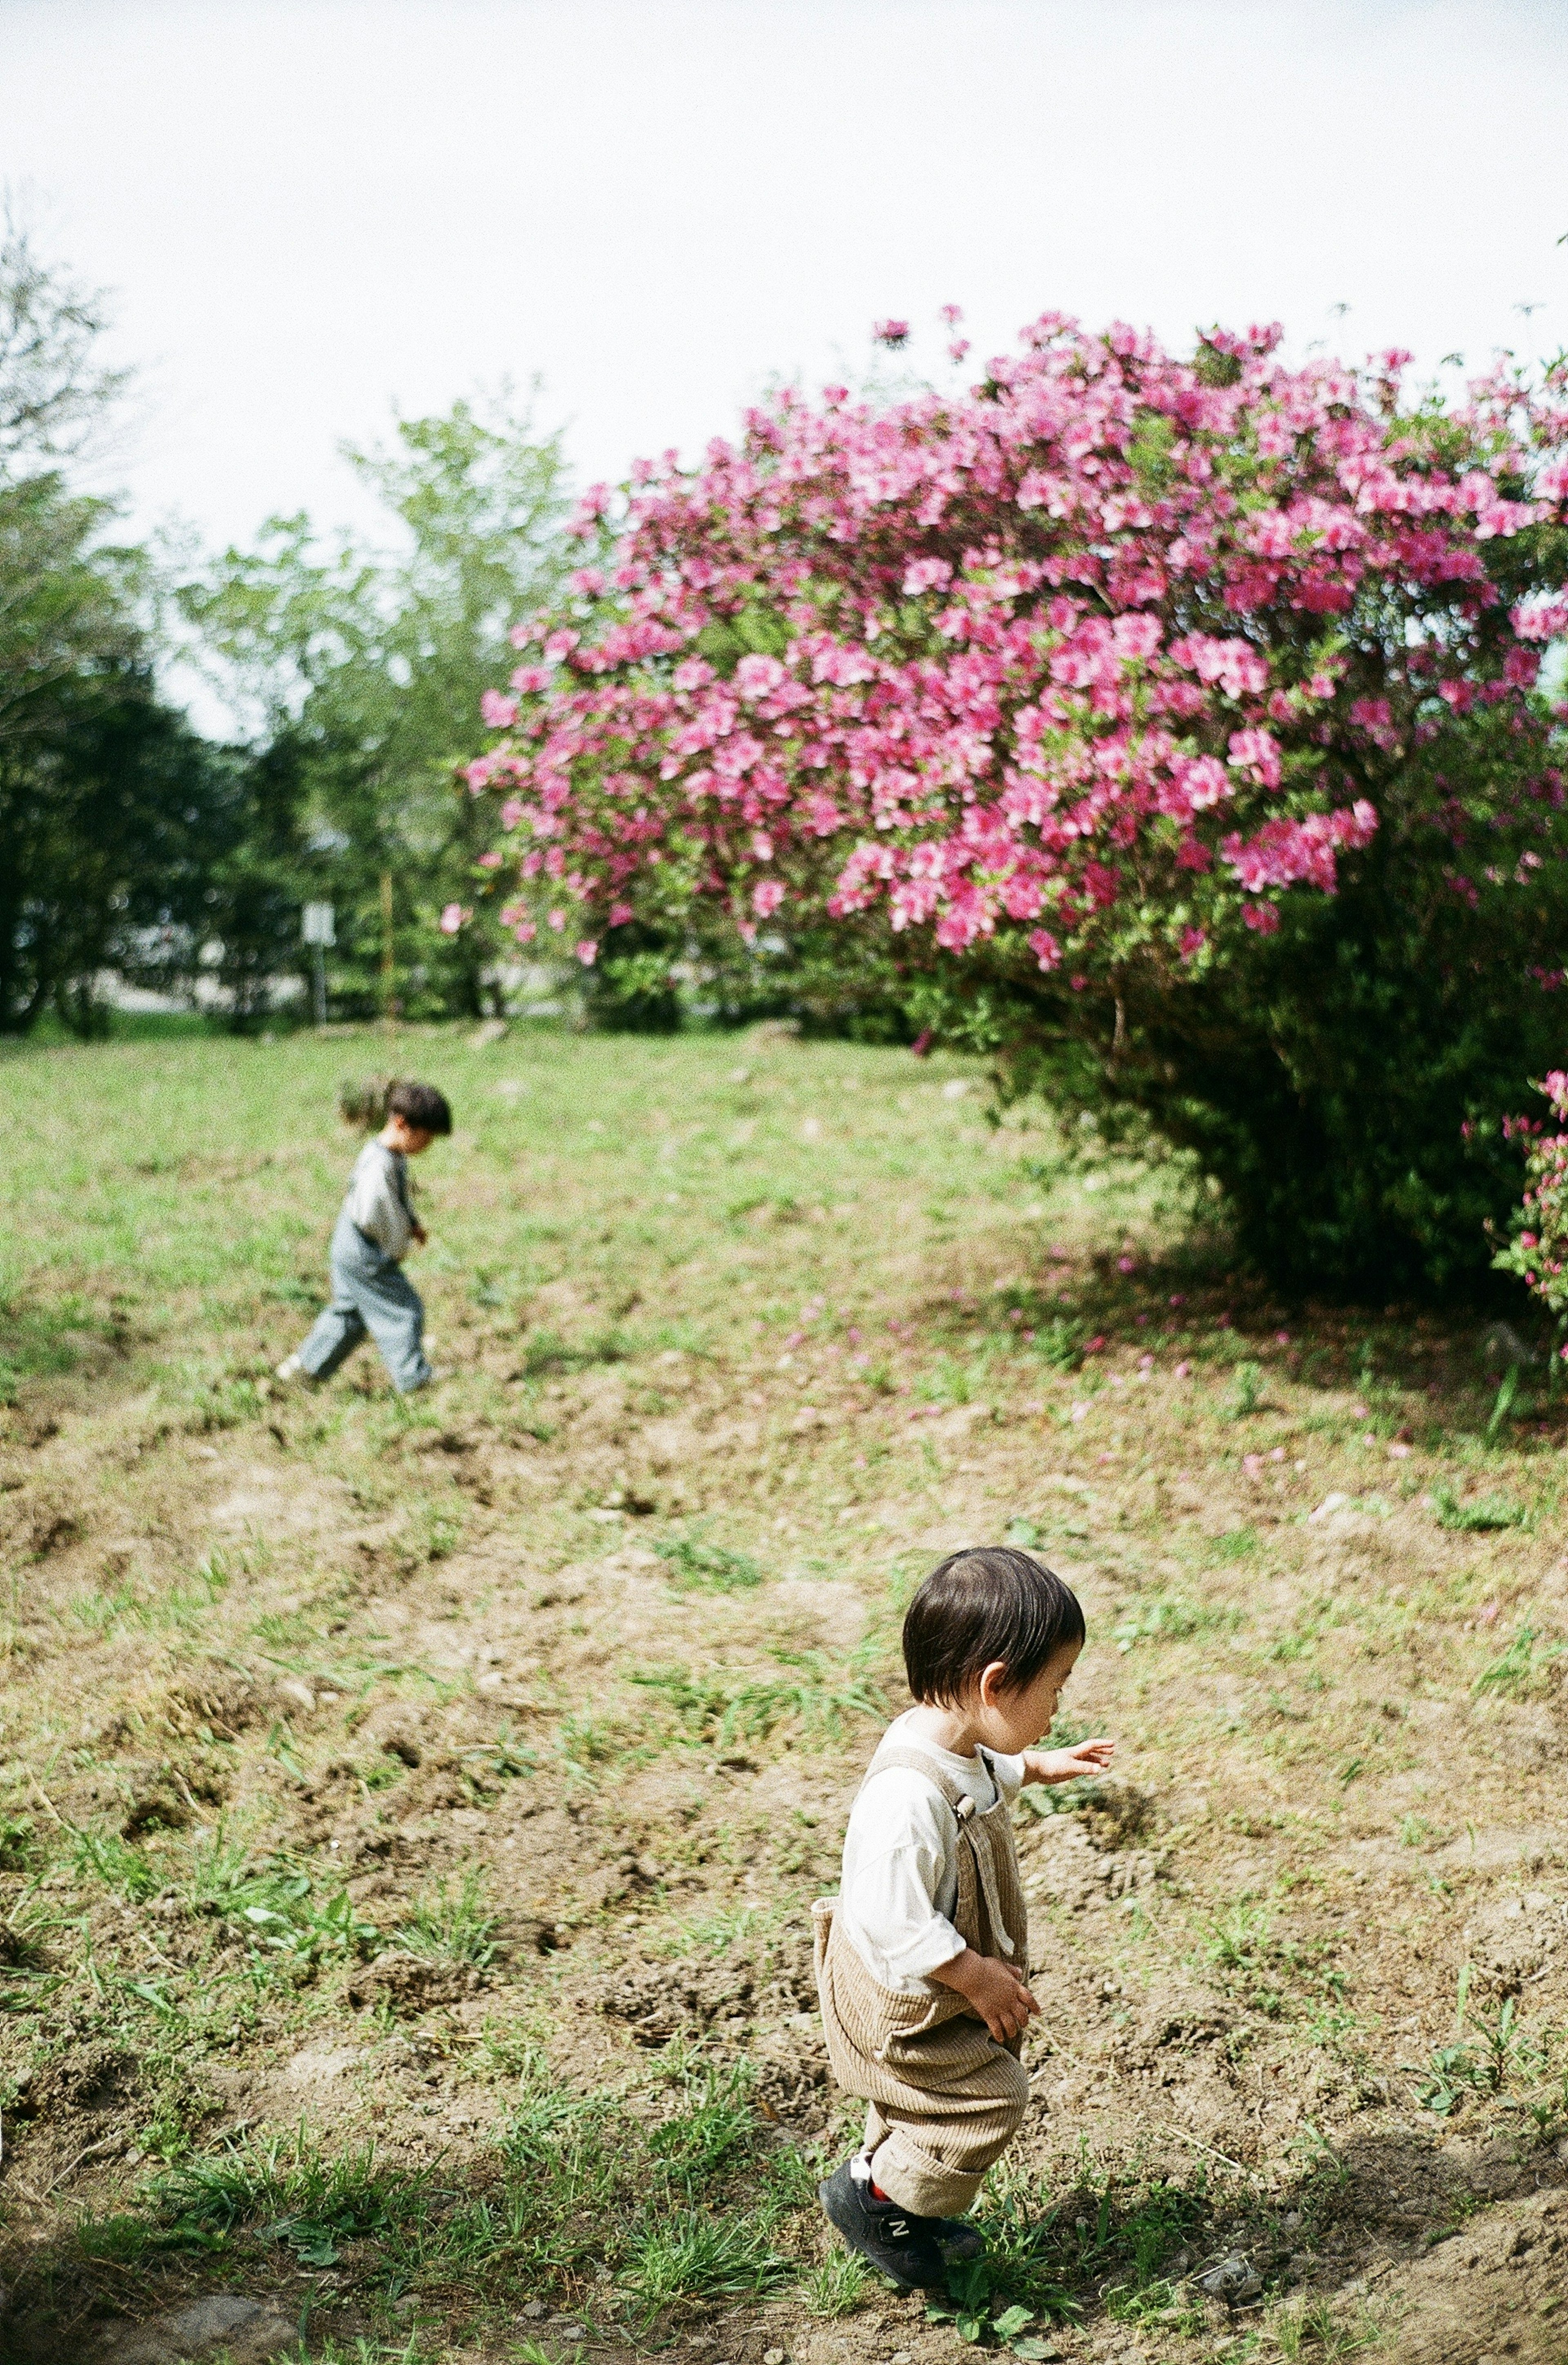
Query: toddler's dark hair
point(368, 1104)
point(419, 1105)
point(977, 1607)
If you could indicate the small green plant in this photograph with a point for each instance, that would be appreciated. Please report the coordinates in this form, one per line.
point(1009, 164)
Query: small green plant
point(19, 1848)
point(1237, 1543)
point(691, 2255)
point(1505, 1403)
point(117, 1865)
point(1479, 1516)
point(545, 1352)
point(839, 2286)
point(1239, 1940)
point(277, 1908)
point(692, 1562)
point(719, 1709)
point(1520, 1673)
point(1024, 1533)
point(451, 1923)
point(976, 2315)
point(1167, 1618)
point(1245, 1393)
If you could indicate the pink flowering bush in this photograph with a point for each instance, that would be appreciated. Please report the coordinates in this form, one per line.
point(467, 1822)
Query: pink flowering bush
point(1077, 711)
point(1538, 1252)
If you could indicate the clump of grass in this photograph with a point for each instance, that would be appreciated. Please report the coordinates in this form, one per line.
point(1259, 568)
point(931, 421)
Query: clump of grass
point(1479, 1516)
point(453, 1924)
point(697, 2255)
point(1169, 1618)
point(277, 1907)
point(694, 1563)
point(1238, 1543)
point(1520, 1673)
point(719, 1709)
point(117, 1865)
point(839, 2286)
point(547, 1351)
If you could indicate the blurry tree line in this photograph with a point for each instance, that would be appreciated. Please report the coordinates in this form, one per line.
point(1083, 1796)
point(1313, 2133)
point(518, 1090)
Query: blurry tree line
point(131, 843)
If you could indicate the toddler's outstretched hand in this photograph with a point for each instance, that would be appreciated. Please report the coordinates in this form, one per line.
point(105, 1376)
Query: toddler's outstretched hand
point(1085, 1757)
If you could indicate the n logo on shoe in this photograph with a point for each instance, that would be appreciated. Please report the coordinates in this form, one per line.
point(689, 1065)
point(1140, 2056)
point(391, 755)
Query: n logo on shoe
point(897, 2228)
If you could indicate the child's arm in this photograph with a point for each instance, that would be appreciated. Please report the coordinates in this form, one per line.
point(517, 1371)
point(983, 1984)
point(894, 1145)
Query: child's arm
point(1084, 1758)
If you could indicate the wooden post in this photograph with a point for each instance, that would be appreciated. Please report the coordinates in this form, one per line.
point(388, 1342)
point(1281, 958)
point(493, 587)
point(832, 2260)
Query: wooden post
point(388, 974)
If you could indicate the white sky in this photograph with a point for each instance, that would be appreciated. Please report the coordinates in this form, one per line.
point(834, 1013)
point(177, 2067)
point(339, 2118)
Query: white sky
point(311, 211)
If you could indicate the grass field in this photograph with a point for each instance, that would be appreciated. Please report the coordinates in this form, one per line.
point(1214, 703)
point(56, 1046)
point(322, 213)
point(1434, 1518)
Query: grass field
point(409, 1813)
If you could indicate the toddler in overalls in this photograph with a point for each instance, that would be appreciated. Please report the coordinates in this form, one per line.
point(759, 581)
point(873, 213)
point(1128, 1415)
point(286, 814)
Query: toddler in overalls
point(921, 1959)
point(377, 1226)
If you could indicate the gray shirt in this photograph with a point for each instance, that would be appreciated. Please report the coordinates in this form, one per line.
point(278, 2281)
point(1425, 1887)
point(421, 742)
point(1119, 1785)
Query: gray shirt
point(378, 1204)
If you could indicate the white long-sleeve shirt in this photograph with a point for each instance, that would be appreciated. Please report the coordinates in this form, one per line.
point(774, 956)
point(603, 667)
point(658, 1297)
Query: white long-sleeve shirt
point(900, 1861)
point(378, 1200)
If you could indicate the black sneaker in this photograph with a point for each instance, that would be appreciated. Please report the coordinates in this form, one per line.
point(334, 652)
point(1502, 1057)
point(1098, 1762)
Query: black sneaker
point(957, 2240)
point(896, 2243)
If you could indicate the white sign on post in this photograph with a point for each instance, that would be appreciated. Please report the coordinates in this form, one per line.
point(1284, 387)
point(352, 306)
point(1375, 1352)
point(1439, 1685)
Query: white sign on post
point(316, 927)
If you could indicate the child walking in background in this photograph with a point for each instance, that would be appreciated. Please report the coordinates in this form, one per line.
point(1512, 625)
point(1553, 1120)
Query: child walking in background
point(374, 1231)
point(921, 1959)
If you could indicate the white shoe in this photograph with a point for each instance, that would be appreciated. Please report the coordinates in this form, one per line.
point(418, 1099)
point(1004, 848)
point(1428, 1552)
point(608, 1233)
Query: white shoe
point(291, 1369)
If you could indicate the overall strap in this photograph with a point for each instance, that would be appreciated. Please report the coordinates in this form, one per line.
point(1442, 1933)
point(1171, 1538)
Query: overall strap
point(982, 1845)
point(973, 1820)
point(906, 1757)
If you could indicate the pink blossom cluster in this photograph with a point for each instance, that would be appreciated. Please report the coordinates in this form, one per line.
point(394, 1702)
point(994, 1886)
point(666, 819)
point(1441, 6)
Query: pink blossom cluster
point(1538, 1252)
point(1097, 660)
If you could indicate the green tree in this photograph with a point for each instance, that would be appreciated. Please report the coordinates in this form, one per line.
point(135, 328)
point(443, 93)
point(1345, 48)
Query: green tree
point(97, 778)
point(364, 665)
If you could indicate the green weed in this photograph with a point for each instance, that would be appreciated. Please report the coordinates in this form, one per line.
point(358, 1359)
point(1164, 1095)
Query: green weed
point(1167, 1618)
point(719, 1709)
point(451, 1923)
point(1479, 1516)
point(692, 1562)
point(1520, 1673)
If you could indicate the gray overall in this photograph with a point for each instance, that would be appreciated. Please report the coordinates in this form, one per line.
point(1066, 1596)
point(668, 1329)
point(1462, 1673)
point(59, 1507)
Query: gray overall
point(370, 1293)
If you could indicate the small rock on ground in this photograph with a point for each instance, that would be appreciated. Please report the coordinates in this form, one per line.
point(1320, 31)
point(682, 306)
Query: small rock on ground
point(247, 2331)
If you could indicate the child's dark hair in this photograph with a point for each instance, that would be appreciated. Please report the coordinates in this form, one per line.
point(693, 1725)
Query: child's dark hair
point(421, 1107)
point(368, 1104)
point(977, 1607)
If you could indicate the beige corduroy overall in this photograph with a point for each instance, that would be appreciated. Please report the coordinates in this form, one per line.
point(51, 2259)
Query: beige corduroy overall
point(946, 2099)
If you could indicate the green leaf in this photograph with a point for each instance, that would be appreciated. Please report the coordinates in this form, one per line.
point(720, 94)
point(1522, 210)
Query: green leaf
point(1012, 2320)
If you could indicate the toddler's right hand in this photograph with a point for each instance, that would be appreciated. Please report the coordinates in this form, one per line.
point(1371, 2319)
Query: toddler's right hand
point(995, 1989)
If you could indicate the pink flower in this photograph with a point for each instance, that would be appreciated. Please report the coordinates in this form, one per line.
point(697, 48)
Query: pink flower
point(525, 931)
point(1252, 1463)
point(892, 333)
point(766, 898)
point(1183, 1371)
point(587, 951)
point(1192, 942)
point(489, 862)
point(496, 712)
point(452, 919)
point(1127, 1264)
point(1094, 1346)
